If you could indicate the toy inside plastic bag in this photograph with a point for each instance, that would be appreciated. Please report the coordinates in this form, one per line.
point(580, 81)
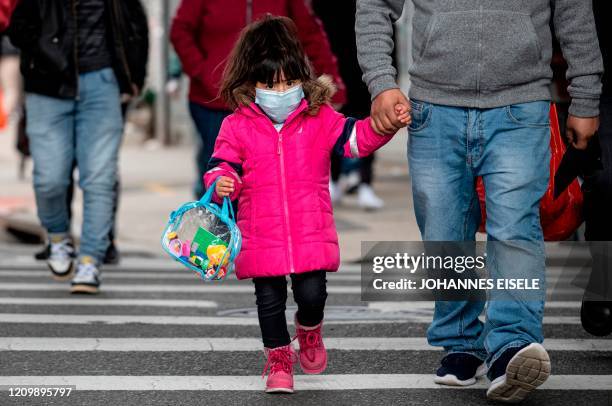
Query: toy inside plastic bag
point(204, 237)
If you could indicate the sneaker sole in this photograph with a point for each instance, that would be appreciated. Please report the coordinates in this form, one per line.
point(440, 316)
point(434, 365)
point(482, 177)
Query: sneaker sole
point(279, 390)
point(452, 380)
point(61, 277)
point(84, 289)
point(527, 370)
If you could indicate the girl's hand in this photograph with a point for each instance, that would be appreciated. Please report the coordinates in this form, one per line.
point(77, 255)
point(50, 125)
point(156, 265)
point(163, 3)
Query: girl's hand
point(224, 186)
point(403, 114)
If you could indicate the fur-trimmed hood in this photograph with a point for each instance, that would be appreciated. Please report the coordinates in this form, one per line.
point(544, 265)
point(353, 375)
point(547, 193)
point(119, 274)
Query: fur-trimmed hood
point(317, 92)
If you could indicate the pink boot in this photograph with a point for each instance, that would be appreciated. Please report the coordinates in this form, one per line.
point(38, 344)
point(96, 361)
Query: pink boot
point(280, 363)
point(313, 356)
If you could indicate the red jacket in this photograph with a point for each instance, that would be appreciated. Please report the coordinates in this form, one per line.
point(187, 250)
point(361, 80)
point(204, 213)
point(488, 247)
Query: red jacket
point(6, 9)
point(203, 33)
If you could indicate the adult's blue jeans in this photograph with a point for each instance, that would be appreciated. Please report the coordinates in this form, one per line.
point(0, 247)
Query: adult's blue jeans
point(208, 123)
point(86, 129)
point(449, 147)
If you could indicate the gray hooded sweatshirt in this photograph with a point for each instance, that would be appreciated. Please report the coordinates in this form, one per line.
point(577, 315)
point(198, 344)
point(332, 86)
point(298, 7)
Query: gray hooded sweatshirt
point(484, 53)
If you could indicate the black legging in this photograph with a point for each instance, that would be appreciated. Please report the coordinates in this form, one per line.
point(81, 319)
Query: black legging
point(309, 293)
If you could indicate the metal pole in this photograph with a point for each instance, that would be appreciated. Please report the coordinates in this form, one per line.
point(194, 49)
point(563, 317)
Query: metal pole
point(162, 103)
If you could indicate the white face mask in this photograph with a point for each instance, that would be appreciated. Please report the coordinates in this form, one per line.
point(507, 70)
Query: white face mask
point(279, 105)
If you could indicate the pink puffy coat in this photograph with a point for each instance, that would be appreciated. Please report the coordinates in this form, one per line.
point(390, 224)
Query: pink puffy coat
point(282, 185)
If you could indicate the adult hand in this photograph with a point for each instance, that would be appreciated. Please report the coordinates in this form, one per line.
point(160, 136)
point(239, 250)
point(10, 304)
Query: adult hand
point(384, 118)
point(580, 130)
point(224, 186)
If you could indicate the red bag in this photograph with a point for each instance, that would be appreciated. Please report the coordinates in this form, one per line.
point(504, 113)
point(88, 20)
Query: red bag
point(559, 217)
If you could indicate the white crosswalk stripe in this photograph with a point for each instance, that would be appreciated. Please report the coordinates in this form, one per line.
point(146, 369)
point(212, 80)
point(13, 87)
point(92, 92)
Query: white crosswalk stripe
point(304, 382)
point(254, 344)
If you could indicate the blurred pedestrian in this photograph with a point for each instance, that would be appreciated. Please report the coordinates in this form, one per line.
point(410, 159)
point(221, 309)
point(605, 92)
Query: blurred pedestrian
point(480, 103)
point(203, 33)
point(77, 59)
point(273, 156)
point(341, 35)
point(596, 311)
point(6, 9)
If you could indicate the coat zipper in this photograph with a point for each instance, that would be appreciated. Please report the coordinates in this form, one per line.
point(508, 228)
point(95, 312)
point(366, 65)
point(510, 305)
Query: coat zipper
point(285, 206)
point(119, 41)
point(249, 11)
point(75, 18)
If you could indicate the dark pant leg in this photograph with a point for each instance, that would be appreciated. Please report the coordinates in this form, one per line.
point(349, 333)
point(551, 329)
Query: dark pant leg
point(598, 188)
point(365, 169)
point(208, 123)
point(336, 167)
point(309, 293)
point(271, 294)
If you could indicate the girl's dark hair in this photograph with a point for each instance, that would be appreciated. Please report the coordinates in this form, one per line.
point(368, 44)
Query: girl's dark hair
point(264, 49)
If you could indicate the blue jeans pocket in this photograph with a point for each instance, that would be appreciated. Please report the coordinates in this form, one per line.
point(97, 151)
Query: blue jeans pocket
point(532, 114)
point(421, 115)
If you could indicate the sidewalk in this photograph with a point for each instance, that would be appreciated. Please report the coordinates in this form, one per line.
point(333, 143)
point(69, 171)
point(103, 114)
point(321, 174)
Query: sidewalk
point(156, 180)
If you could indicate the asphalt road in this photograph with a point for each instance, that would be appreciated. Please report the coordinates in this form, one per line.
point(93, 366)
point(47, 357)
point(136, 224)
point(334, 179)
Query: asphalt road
point(157, 345)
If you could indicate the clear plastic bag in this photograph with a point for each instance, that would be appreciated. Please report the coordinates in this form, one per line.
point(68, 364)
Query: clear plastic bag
point(204, 237)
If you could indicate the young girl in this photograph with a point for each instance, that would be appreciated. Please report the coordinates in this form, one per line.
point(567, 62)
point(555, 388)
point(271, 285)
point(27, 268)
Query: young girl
point(273, 155)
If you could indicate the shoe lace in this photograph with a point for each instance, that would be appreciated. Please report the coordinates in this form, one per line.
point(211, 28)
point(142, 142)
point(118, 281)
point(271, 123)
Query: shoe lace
point(88, 271)
point(279, 360)
point(61, 249)
point(309, 340)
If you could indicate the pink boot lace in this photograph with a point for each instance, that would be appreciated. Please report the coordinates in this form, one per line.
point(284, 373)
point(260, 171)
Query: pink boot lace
point(280, 359)
point(309, 341)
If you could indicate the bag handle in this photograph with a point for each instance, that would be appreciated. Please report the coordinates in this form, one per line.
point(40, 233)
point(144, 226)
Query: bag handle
point(226, 208)
point(207, 198)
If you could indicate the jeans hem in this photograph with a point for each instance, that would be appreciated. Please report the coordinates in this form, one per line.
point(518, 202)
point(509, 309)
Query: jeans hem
point(513, 344)
point(481, 355)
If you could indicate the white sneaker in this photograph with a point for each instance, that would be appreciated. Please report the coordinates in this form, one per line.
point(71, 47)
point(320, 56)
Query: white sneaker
point(87, 278)
point(350, 182)
point(61, 257)
point(367, 198)
point(335, 192)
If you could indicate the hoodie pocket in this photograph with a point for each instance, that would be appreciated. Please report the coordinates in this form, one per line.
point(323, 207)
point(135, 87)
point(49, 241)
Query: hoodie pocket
point(511, 52)
point(448, 53)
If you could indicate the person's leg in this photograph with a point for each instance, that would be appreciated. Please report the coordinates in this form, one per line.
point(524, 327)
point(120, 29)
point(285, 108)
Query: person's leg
point(366, 169)
point(271, 300)
point(50, 130)
point(515, 168)
point(366, 196)
point(598, 188)
point(596, 311)
point(310, 293)
point(97, 149)
point(515, 171)
point(441, 143)
point(208, 123)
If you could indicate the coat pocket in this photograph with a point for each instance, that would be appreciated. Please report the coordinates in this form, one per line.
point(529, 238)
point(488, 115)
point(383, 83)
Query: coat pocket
point(511, 51)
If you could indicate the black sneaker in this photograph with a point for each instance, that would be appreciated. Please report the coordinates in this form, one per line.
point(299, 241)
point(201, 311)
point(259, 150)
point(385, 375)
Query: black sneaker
point(112, 255)
point(518, 372)
point(460, 369)
point(43, 254)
